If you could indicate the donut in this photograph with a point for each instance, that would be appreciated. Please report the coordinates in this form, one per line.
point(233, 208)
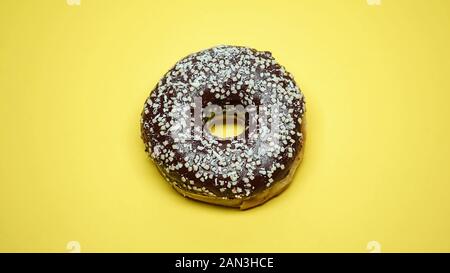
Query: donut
point(222, 83)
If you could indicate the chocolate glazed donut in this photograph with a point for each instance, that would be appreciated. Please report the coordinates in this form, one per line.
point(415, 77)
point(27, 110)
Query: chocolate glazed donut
point(241, 171)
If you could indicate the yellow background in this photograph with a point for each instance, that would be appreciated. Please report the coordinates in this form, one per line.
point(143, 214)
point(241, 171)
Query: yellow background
point(73, 80)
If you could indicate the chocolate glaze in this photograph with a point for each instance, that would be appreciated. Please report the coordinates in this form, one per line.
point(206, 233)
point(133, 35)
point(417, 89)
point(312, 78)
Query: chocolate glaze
point(211, 166)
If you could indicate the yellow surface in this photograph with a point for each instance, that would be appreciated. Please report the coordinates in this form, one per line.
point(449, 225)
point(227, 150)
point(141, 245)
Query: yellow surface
point(73, 80)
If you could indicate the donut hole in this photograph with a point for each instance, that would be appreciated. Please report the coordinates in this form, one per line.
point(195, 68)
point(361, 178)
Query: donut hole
point(226, 126)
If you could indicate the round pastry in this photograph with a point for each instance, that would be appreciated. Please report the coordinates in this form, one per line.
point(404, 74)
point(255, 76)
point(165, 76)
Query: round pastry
point(222, 83)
